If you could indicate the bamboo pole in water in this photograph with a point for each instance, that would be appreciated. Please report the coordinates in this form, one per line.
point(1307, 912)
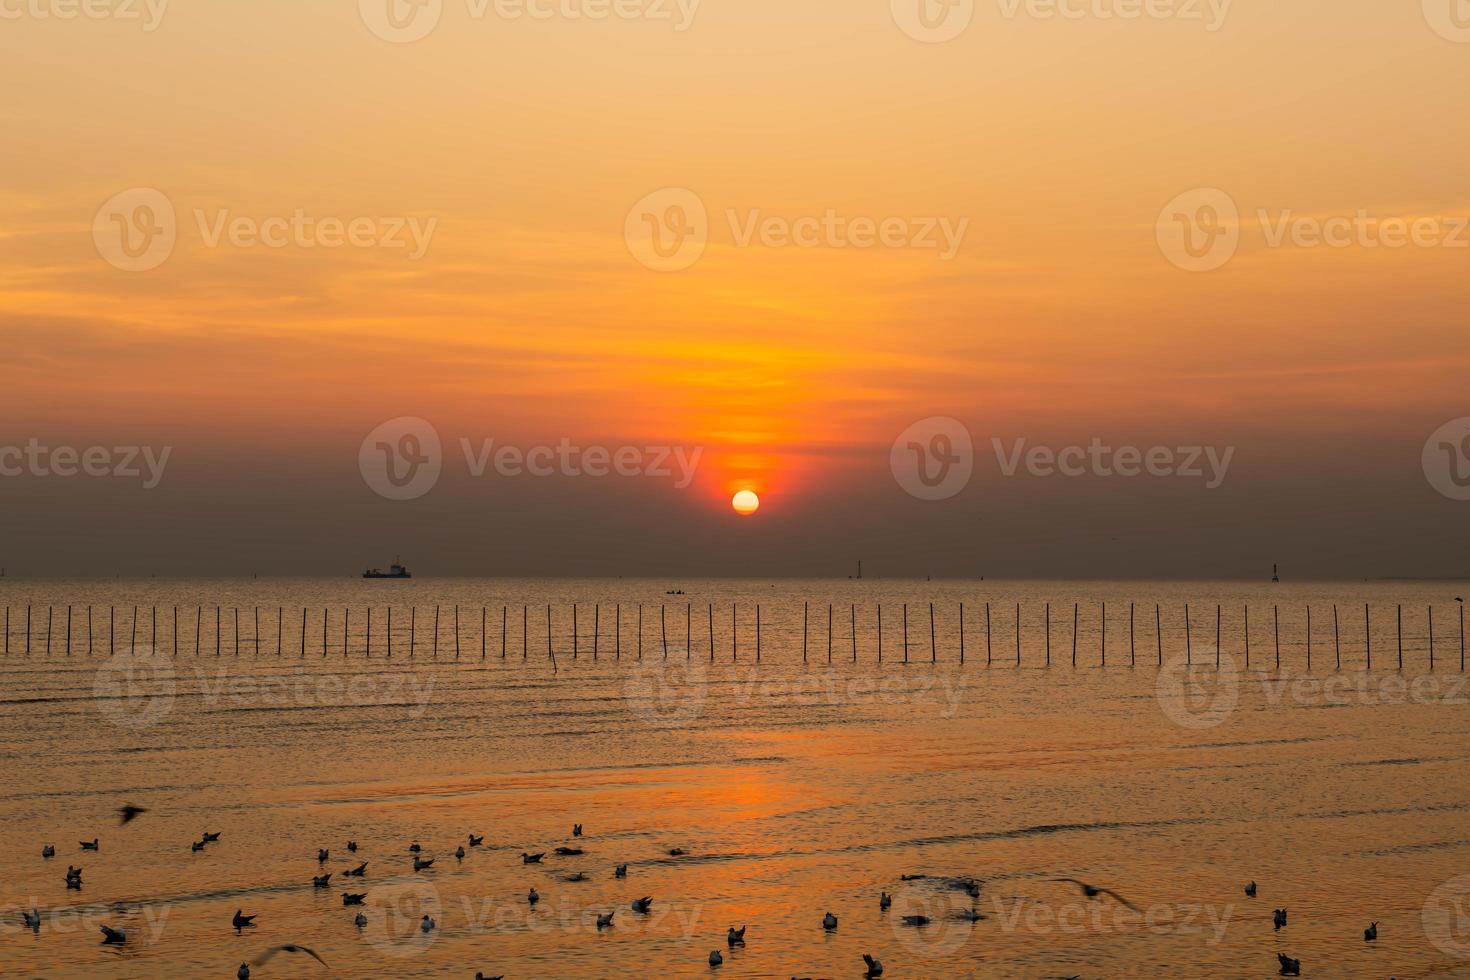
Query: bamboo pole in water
point(525, 631)
point(905, 632)
point(346, 617)
point(484, 640)
point(596, 628)
point(303, 631)
point(663, 629)
point(933, 650)
point(618, 631)
point(989, 650)
point(413, 628)
point(49, 613)
point(1102, 632)
point(1048, 634)
point(803, 631)
point(829, 629)
point(757, 632)
point(90, 639)
point(711, 632)
point(368, 646)
point(1018, 634)
point(734, 640)
point(1401, 636)
point(1246, 629)
point(68, 631)
point(504, 613)
point(1217, 636)
point(280, 620)
point(1368, 635)
point(28, 629)
point(1075, 615)
point(854, 632)
point(390, 631)
point(574, 632)
point(640, 632)
point(198, 629)
point(880, 632)
point(962, 634)
point(1336, 637)
point(435, 645)
point(1309, 637)
point(1276, 621)
point(1159, 632)
point(1188, 639)
point(456, 631)
point(325, 615)
point(1132, 646)
point(133, 632)
point(1431, 638)
point(550, 653)
point(688, 631)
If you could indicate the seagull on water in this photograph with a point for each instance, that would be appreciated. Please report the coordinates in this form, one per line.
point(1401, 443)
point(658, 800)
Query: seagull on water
point(642, 905)
point(576, 830)
point(89, 845)
point(459, 853)
point(350, 898)
point(360, 919)
point(242, 921)
point(33, 921)
point(575, 876)
point(1370, 933)
point(1278, 916)
point(715, 959)
point(916, 920)
point(735, 937)
point(481, 976)
point(476, 841)
point(533, 896)
point(875, 968)
point(73, 878)
point(420, 864)
point(197, 846)
point(605, 921)
point(357, 872)
point(48, 851)
point(427, 925)
point(569, 851)
point(322, 881)
point(532, 858)
point(352, 846)
point(113, 937)
point(1289, 966)
point(885, 901)
point(1093, 891)
point(621, 871)
point(677, 852)
point(414, 848)
point(210, 838)
point(322, 854)
point(1250, 889)
point(829, 922)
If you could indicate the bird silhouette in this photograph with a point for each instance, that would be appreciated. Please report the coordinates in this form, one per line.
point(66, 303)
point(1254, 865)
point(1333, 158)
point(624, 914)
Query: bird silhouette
point(427, 925)
point(360, 919)
point(209, 838)
point(476, 841)
point(321, 855)
point(350, 898)
point(48, 851)
point(1370, 933)
point(197, 846)
point(533, 896)
point(73, 878)
point(532, 858)
point(482, 976)
point(1289, 966)
point(1093, 891)
point(575, 876)
point(642, 905)
point(875, 968)
point(569, 851)
point(129, 813)
point(1250, 889)
point(113, 937)
point(677, 852)
point(916, 920)
point(265, 957)
point(322, 881)
point(459, 853)
point(415, 847)
point(421, 864)
point(352, 846)
point(90, 845)
point(242, 921)
point(829, 922)
point(621, 871)
point(1278, 916)
point(605, 921)
point(885, 901)
point(357, 872)
point(32, 921)
point(735, 937)
point(576, 830)
point(715, 959)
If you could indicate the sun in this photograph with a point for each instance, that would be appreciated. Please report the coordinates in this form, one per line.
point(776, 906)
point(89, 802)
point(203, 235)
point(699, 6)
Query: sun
point(745, 503)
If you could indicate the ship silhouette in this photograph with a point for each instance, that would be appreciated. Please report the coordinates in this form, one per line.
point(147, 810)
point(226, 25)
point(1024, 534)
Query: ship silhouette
point(396, 570)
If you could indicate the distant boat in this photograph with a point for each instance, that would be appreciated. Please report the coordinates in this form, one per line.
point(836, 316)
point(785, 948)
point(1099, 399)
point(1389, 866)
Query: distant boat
point(396, 570)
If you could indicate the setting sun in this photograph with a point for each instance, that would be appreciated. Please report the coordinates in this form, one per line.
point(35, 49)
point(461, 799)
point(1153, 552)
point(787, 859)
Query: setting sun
point(745, 503)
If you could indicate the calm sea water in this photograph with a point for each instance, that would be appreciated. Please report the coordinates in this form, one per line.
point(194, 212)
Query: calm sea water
point(794, 789)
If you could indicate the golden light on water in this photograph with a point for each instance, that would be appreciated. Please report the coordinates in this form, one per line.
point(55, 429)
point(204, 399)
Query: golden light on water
point(745, 503)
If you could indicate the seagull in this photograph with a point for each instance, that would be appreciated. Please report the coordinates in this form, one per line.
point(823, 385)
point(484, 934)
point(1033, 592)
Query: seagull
point(197, 846)
point(427, 925)
point(642, 905)
point(715, 959)
point(829, 922)
point(1092, 891)
point(1370, 933)
point(349, 898)
point(321, 855)
point(481, 976)
point(476, 841)
point(113, 937)
point(621, 871)
point(676, 852)
point(322, 881)
point(48, 851)
point(1279, 917)
point(210, 838)
point(73, 878)
point(532, 858)
point(885, 900)
point(569, 851)
point(89, 845)
point(735, 937)
point(414, 848)
point(576, 830)
point(875, 968)
point(352, 846)
point(360, 919)
point(1289, 966)
point(1250, 889)
point(420, 864)
point(459, 853)
point(33, 921)
point(533, 896)
point(357, 872)
point(287, 948)
point(605, 921)
point(242, 921)
point(243, 973)
point(916, 920)
point(128, 813)
point(970, 915)
point(575, 876)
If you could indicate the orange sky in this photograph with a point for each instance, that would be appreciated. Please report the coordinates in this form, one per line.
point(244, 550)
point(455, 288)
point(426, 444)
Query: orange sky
point(527, 143)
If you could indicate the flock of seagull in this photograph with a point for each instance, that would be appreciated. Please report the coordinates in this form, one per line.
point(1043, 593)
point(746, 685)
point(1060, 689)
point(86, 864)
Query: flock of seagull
point(734, 938)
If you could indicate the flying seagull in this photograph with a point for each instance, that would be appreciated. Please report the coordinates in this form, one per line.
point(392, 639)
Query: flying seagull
point(128, 813)
point(242, 921)
point(287, 948)
point(1092, 891)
